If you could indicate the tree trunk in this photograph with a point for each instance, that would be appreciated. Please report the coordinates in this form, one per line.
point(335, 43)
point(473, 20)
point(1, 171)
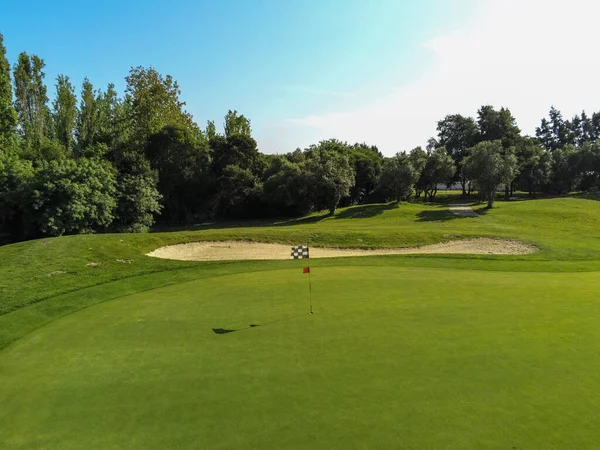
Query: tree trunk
point(463, 183)
point(506, 193)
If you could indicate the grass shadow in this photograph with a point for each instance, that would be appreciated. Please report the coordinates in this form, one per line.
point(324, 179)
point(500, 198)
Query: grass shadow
point(254, 325)
point(594, 196)
point(353, 212)
point(481, 209)
point(365, 211)
point(438, 215)
point(301, 220)
point(223, 331)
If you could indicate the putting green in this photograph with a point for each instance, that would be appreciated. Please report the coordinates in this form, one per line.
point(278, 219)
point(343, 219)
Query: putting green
point(393, 358)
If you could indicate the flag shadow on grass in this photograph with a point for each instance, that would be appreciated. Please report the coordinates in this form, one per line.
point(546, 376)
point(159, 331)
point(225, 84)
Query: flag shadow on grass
point(254, 325)
point(225, 331)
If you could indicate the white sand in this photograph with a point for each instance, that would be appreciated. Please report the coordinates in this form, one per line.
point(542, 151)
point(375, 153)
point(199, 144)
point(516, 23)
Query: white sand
point(242, 250)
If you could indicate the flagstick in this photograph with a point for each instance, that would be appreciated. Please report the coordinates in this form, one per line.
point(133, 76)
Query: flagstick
point(309, 290)
point(309, 283)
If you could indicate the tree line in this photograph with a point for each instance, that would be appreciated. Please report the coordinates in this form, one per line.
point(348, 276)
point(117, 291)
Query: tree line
point(98, 161)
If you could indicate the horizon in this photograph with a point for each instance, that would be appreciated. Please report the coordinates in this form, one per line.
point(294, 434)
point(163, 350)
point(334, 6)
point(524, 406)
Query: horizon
point(382, 73)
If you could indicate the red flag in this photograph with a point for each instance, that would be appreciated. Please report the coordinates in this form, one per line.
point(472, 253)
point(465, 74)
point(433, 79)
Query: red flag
point(306, 270)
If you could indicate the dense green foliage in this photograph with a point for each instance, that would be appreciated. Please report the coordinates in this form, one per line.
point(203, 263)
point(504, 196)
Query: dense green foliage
point(489, 166)
point(159, 166)
point(8, 115)
point(398, 177)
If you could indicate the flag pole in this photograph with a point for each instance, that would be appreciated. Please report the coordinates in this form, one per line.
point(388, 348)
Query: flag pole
point(309, 283)
point(309, 291)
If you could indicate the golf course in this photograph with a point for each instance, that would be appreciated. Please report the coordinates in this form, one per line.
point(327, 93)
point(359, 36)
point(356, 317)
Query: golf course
point(102, 346)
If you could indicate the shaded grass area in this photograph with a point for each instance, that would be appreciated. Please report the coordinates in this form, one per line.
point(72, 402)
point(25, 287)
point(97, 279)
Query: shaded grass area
point(393, 358)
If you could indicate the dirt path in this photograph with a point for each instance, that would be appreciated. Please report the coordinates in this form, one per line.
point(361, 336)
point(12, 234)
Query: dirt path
point(462, 210)
point(239, 250)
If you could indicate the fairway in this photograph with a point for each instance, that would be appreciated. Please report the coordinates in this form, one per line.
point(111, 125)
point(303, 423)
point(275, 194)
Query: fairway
point(394, 357)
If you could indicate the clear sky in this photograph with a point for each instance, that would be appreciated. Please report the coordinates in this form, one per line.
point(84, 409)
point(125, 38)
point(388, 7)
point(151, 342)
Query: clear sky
point(380, 71)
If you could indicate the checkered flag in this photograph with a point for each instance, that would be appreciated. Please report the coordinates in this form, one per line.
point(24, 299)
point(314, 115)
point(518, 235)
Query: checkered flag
point(300, 252)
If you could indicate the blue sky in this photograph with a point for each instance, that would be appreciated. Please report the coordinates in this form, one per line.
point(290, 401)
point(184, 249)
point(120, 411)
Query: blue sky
point(300, 70)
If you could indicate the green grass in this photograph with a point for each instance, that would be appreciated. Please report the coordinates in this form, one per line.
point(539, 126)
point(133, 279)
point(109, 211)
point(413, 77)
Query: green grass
point(451, 351)
point(393, 358)
point(565, 229)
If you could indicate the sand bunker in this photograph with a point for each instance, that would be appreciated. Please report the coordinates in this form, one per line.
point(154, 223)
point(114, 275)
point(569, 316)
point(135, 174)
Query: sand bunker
point(241, 250)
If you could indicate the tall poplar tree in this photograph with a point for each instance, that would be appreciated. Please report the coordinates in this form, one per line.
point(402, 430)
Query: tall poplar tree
point(31, 98)
point(8, 115)
point(87, 117)
point(64, 112)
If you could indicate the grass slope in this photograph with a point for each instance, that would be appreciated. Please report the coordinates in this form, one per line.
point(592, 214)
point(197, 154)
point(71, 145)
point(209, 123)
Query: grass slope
point(565, 229)
point(393, 358)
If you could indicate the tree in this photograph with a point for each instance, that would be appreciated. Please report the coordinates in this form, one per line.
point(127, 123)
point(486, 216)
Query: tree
point(544, 134)
point(457, 133)
point(489, 165)
point(595, 126)
point(16, 176)
point(587, 162)
point(535, 165)
point(87, 118)
point(239, 189)
point(366, 161)
point(113, 126)
point(236, 124)
point(559, 128)
point(71, 196)
point(65, 112)
point(432, 144)
point(31, 98)
point(330, 177)
point(574, 134)
point(153, 103)
point(47, 150)
point(439, 168)
point(565, 168)
point(183, 164)
point(8, 115)
point(138, 201)
point(286, 188)
point(398, 177)
point(235, 150)
point(418, 159)
point(498, 125)
point(553, 133)
point(587, 129)
point(211, 130)
point(564, 171)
